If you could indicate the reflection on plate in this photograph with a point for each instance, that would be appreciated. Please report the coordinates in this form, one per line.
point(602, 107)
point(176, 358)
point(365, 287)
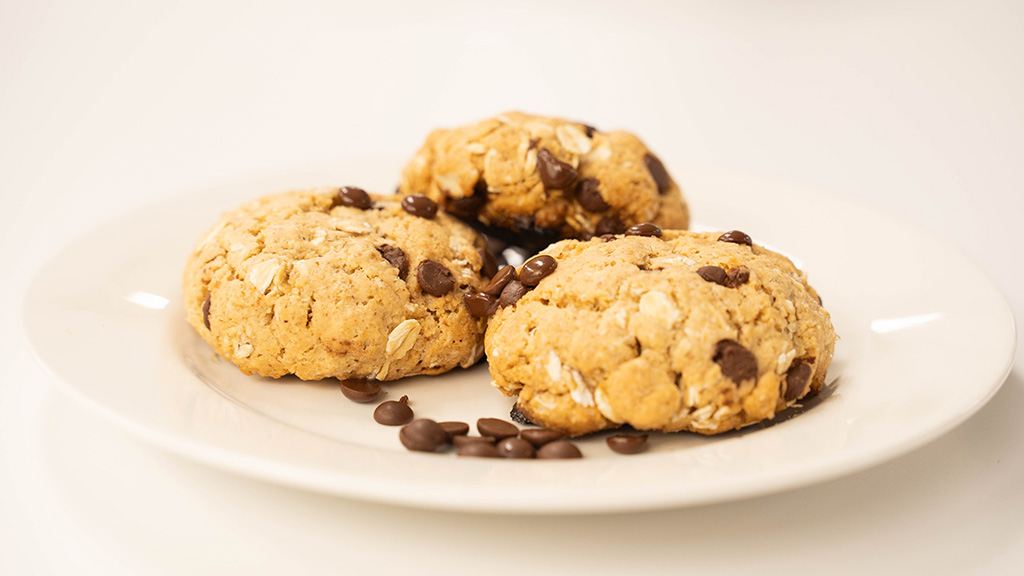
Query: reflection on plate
point(926, 340)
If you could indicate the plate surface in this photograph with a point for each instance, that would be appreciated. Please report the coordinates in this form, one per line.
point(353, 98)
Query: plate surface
point(926, 340)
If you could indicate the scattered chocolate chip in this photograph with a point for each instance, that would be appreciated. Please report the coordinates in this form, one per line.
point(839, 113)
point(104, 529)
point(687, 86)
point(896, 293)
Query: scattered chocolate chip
point(517, 416)
point(644, 229)
point(737, 363)
point(358, 390)
point(797, 377)
point(500, 280)
point(423, 435)
point(468, 206)
point(478, 450)
point(480, 304)
point(589, 130)
point(490, 265)
point(206, 312)
point(396, 257)
point(555, 174)
point(496, 427)
point(536, 269)
point(511, 294)
point(737, 277)
point(627, 443)
point(515, 448)
point(658, 172)
point(559, 449)
point(434, 278)
point(609, 225)
point(540, 436)
point(452, 429)
point(588, 194)
point(393, 412)
point(419, 205)
point(736, 237)
point(354, 197)
point(463, 440)
point(715, 274)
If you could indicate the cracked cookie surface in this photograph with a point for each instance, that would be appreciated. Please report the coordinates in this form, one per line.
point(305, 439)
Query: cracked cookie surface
point(533, 180)
point(319, 285)
point(681, 332)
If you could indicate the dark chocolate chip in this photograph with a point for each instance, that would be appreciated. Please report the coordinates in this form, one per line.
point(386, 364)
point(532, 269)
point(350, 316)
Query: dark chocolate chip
point(627, 443)
point(540, 436)
point(206, 312)
point(419, 205)
point(737, 363)
point(737, 277)
point(490, 265)
point(658, 172)
point(559, 449)
point(589, 130)
point(434, 278)
point(478, 450)
point(588, 194)
point(396, 257)
point(609, 225)
point(452, 429)
point(555, 174)
point(736, 237)
point(797, 377)
point(360, 390)
point(715, 274)
point(480, 304)
point(496, 427)
point(354, 197)
point(500, 280)
point(393, 412)
point(537, 269)
point(511, 294)
point(423, 435)
point(517, 416)
point(607, 237)
point(469, 206)
point(515, 448)
point(644, 229)
point(463, 440)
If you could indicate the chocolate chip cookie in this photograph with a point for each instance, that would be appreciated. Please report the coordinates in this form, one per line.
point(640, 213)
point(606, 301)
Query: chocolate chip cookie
point(672, 330)
point(337, 283)
point(531, 180)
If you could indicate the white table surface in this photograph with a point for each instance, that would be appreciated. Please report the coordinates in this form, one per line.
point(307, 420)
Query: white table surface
point(914, 108)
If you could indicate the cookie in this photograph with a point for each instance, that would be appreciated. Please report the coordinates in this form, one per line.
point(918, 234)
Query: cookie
point(337, 283)
point(532, 180)
point(705, 332)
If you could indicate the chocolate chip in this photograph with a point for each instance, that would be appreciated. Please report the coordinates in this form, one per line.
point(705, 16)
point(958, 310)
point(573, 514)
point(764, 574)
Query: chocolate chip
point(490, 265)
point(496, 427)
point(500, 280)
point(393, 412)
point(737, 277)
point(715, 274)
point(540, 436)
point(736, 237)
point(627, 444)
point(515, 448)
point(644, 229)
point(434, 278)
point(555, 174)
point(419, 205)
point(478, 450)
point(423, 435)
point(511, 294)
point(354, 197)
point(797, 377)
point(358, 390)
point(658, 172)
point(469, 206)
point(480, 304)
point(206, 312)
point(537, 269)
point(559, 449)
point(396, 257)
point(737, 363)
point(607, 237)
point(588, 194)
point(452, 429)
point(609, 225)
point(517, 416)
point(463, 440)
point(589, 130)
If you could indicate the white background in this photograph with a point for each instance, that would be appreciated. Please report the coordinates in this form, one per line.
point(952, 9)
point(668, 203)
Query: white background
point(913, 108)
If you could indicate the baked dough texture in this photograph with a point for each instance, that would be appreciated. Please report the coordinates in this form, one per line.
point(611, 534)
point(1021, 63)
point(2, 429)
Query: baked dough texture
point(296, 283)
point(634, 330)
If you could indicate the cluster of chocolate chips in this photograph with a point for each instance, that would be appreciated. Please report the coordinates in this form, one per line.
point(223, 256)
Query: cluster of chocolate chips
point(507, 287)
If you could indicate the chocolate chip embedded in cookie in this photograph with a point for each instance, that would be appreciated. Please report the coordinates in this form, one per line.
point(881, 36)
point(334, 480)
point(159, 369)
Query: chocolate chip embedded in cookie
point(672, 332)
point(338, 283)
point(533, 180)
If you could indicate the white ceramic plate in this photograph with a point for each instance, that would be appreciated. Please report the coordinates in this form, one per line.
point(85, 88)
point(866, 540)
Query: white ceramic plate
point(926, 341)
